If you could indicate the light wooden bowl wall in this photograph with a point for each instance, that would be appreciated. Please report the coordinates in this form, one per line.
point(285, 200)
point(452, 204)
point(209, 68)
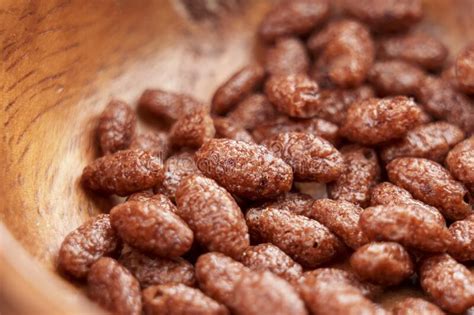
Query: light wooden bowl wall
point(61, 62)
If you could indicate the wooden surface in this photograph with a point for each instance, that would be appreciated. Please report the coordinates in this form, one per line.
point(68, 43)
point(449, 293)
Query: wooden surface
point(61, 62)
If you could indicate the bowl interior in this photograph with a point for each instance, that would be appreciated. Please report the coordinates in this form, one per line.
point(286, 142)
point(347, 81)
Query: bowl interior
point(64, 60)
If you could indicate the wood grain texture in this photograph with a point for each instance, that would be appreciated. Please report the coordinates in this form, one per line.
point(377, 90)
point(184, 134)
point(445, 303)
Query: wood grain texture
point(62, 60)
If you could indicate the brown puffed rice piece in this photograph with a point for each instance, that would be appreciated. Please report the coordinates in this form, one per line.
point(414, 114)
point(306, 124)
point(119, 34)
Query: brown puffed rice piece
point(334, 102)
point(236, 88)
point(431, 141)
point(465, 69)
point(116, 127)
point(178, 299)
point(264, 293)
point(389, 194)
point(314, 126)
point(230, 129)
point(114, 288)
point(395, 77)
point(374, 120)
point(332, 295)
point(460, 162)
point(312, 158)
point(293, 17)
point(218, 275)
point(417, 48)
point(287, 56)
point(86, 244)
point(295, 95)
point(297, 203)
point(346, 52)
point(449, 283)
point(431, 183)
point(152, 226)
point(416, 306)
point(362, 172)
point(341, 218)
point(169, 105)
point(192, 130)
point(149, 270)
point(123, 172)
point(177, 167)
point(154, 142)
point(462, 231)
point(305, 240)
point(213, 215)
point(385, 15)
point(410, 225)
point(384, 263)
point(267, 256)
point(247, 170)
point(441, 100)
point(253, 111)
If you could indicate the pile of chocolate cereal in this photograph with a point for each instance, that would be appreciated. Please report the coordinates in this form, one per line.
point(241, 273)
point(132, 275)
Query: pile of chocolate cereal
point(216, 220)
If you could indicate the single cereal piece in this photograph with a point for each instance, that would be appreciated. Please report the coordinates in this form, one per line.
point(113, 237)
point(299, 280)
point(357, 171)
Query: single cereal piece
point(386, 15)
point(460, 162)
point(178, 299)
point(395, 77)
point(177, 167)
point(253, 111)
point(293, 17)
point(123, 172)
point(462, 231)
point(306, 241)
point(333, 295)
point(312, 158)
point(362, 172)
point(230, 129)
point(449, 283)
point(157, 270)
point(384, 263)
point(295, 95)
point(192, 130)
point(441, 100)
point(152, 226)
point(389, 194)
point(154, 142)
point(287, 56)
point(169, 105)
point(297, 203)
point(431, 183)
point(116, 127)
point(465, 69)
point(213, 215)
point(344, 277)
point(417, 48)
point(341, 218)
point(314, 126)
point(264, 293)
point(373, 121)
point(408, 224)
point(416, 306)
point(218, 275)
point(236, 88)
point(346, 52)
point(114, 288)
point(269, 257)
point(334, 102)
point(247, 170)
point(431, 141)
point(86, 244)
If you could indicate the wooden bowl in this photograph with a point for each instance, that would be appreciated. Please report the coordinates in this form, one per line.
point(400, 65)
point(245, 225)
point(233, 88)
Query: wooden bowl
point(62, 62)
